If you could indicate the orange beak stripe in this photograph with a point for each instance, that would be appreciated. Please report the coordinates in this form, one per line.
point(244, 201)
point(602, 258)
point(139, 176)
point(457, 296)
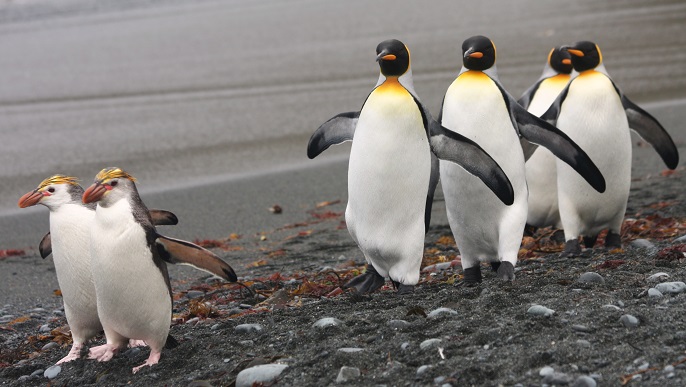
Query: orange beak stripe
point(476, 55)
point(574, 52)
point(388, 57)
point(566, 61)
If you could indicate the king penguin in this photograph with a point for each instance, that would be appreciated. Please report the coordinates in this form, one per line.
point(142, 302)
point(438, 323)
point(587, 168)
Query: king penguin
point(541, 170)
point(477, 106)
point(128, 264)
point(597, 115)
point(69, 243)
point(393, 171)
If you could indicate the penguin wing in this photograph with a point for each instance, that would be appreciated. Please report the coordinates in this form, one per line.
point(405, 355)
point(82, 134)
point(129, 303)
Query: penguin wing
point(450, 146)
point(553, 111)
point(528, 95)
point(163, 218)
point(651, 130)
point(339, 129)
point(180, 252)
point(45, 246)
point(433, 182)
point(542, 133)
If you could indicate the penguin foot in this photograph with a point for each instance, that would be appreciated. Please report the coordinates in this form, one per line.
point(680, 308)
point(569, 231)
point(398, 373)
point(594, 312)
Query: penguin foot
point(572, 249)
point(495, 266)
point(74, 353)
point(153, 359)
point(472, 276)
point(366, 283)
point(403, 289)
point(589, 241)
point(613, 240)
point(136, 343)
point(103, 352)
point(506, 271)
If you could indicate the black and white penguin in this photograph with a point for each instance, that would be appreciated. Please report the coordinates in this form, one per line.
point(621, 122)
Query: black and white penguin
point(477, 106)
point(541, 168)
point(597, 115)
point(69, 243)
point(393, 172)
point(128, 264)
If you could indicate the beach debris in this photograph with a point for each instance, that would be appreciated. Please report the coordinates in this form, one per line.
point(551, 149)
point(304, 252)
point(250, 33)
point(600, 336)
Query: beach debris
point(275, 209)
point(327, 203)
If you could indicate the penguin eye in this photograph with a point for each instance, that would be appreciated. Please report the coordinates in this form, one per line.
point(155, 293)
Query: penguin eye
point(113, 183)
point(51, 189)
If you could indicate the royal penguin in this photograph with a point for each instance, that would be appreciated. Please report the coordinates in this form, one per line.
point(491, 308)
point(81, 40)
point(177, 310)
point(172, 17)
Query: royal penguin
point(393, 171)
point(478, 107)
point(594, 112)
point(69, 243)
point(134, 298)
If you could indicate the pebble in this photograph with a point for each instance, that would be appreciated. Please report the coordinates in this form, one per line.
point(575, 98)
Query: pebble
point(347, 373)
point(194, 294)
point(681, 239)
point(261, 374)
point(584, 381)
point(440, 312)
point(404, 345)
point(37, 372)
point(430, 343)
point(642, 244)
point(671, 287)
point(247, 328)
point(215, 327)
point(245, 306)
point(23, 378)
point(668, 368)
point(657, 276)
point(193, 321)
point(246, 343)
point(557, 378)
point(584, 343)
point(581, 328)
point(591, 278)
point(132, 352)
point(44, 328)
point(652, 292)
point(6, 318)
point(629, 321)
point(58, 312)
point(327, 322)
point(52, 372)
point(50, 345)
point(609, 306)
point(350, 350)
point(545, 371)
point(398, 324)
point(422, 370)
point(38, 310)
point(539, 310)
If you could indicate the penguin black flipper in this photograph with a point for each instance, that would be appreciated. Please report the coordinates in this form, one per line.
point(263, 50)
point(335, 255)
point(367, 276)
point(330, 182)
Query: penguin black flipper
point(528, 96)
point(433, 183)
point(541, 132)
point(163, 218)
point(180, 252)
point(338, 129)
point(45, 246)
point(651, 130)
point(451, 146)
point(550, 116)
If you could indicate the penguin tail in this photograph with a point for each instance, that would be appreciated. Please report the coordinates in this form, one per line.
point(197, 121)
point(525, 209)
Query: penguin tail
point(171, 342)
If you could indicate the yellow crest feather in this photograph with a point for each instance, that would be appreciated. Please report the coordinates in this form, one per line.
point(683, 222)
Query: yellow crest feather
point(113, 173)
point(58, 179)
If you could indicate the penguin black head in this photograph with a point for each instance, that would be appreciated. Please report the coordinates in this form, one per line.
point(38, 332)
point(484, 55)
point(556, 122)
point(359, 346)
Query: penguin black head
point(560, 60)
point(478, 53)
point(393, 57)
point(585, 55)
point(111, 185)
point(53, 192)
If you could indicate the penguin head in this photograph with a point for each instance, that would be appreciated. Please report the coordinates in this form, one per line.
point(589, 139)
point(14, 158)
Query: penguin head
point(585, 55)
point(110, 186)
point(393, 57)
point(53, 192)
point(478, 53)
point(560, 60)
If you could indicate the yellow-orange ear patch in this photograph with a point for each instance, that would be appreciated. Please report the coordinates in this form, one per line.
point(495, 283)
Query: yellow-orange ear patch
point(113, 173)
point(58, 179)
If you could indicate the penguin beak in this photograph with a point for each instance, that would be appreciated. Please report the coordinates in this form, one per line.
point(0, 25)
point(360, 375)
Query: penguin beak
point(566, 61)
point(94, 193)
point(385, 55)
point(471, 53)
point(30, 199)
point(573, 51)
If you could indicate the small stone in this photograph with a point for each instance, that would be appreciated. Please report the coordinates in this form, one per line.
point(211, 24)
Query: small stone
point(214, 327)
point(439, 379)
point(404, 345)
point(422, 370)
point(350, 350)
point(38, 310)
point(581, 328)
point(629, 321)
point(652, 292)
point(441, 312)
point(23, 378)
point(49, 346)
point(545, 371)
point(609, 306)
point(591, 278)
point(52, 372)
point(671, 287)
point(247, 328)
point(398, 324)
point(668, 368)
point(584, 343)
point(45, 328)
point(194, 294)
point(327, 322)
point(642, 244)
point(245, 306)
point(584, 381)
point(37, 372)
point(681, 239)
point(193, 321)
point(539, 310)
point(58, 312)
point(261, 374)
point(132, 352)
point(430, 343)
point(246, 343)
point(347, 373)
point(557, 378)
point(657, 276)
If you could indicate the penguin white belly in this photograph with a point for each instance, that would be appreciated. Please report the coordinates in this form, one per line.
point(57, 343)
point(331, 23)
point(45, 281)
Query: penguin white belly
point(541, 168)
point(592, 115)
point(388, 180)
point(133, 298)
point(484, 227)
point(70, 228)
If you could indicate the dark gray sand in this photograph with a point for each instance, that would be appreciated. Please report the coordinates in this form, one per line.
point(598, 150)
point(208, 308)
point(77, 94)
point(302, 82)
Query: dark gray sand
point(485, 336)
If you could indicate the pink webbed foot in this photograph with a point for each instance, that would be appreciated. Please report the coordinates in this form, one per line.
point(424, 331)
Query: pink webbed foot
point(74, 353)
point(136, 343)
point(153, 359)
point(103, 352)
